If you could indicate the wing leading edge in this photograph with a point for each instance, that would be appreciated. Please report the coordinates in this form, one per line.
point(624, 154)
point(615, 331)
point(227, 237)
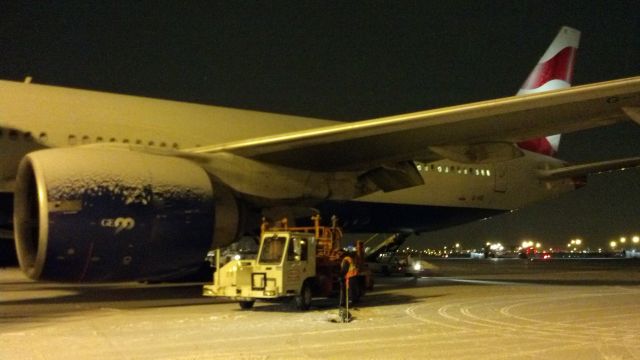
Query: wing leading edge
point(507, 120)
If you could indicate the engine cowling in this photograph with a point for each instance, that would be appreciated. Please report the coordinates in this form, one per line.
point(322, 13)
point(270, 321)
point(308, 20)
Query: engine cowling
point(94, 214)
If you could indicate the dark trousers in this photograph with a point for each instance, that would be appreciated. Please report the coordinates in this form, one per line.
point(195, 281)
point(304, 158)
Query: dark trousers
point(343, 291)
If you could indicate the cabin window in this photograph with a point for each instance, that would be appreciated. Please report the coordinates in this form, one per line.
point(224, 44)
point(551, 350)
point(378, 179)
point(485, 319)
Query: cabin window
point(272, 250)
point(297, 250)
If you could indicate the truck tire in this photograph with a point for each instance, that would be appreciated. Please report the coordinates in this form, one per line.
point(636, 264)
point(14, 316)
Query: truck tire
point(303, 300)
point(246, 305)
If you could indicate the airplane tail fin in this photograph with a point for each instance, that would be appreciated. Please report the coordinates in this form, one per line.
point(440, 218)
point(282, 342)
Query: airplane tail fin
point(554, 71)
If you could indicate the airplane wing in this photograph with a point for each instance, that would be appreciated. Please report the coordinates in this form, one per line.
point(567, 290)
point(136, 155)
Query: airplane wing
point(458, 129)
point(586, 169)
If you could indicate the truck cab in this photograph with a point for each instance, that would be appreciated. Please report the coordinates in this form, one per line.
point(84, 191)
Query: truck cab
point(285, 261)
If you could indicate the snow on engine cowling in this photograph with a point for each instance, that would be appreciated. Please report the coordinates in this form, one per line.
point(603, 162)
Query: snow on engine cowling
point(104, 214)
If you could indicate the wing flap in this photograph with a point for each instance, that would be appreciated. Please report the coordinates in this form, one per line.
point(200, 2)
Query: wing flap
point(394, 177)
point(409, 136)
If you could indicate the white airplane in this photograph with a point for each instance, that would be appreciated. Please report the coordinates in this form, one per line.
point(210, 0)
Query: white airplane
point(115, 187)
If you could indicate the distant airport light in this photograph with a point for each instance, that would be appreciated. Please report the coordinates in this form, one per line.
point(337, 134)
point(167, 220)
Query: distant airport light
point(635, 239)
point(613, 244)
point(496, 247)
point(623, 240)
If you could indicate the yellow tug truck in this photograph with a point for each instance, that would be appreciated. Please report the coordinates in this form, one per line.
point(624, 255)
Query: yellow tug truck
point(294, 263)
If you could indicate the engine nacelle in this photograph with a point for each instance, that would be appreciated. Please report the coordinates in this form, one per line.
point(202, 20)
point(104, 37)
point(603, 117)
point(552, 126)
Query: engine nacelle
point(98, 214)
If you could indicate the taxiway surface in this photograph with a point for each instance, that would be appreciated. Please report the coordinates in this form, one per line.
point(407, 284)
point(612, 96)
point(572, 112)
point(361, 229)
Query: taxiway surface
point(515, 309)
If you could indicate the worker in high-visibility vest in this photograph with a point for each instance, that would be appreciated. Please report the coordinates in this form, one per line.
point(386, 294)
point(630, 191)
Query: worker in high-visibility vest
point(348, 270)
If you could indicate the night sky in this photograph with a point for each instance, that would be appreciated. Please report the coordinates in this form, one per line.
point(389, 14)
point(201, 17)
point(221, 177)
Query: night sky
point(349, 61)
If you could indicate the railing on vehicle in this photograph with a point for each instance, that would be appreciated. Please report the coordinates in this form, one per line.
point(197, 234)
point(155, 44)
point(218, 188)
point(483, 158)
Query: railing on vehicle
point(328, 238)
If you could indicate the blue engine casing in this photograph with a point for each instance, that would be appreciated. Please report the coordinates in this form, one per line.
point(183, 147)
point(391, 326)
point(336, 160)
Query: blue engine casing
point(102, 214)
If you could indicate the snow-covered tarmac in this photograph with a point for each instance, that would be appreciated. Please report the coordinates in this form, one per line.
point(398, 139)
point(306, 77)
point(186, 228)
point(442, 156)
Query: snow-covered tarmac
point(481, 309)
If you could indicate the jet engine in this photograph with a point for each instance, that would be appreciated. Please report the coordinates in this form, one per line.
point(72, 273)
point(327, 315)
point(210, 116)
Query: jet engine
point(103, 214)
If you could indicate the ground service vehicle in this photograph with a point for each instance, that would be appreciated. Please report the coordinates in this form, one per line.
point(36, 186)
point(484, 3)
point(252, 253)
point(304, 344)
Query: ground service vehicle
point(393, 263)
point(293, 262)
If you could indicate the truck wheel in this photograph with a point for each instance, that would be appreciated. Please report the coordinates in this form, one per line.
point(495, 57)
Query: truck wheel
point(246, 305)
point(303, 301)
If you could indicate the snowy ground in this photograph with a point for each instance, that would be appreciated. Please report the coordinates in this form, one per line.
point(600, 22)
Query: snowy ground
point(505, 309)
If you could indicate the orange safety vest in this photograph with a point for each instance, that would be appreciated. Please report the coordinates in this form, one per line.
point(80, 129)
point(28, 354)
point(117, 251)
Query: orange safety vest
point(353, 270)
